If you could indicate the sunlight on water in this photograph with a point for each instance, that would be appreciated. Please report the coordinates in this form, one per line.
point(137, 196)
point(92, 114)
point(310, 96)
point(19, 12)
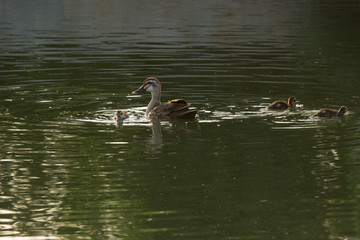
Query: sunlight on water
point(238, 171)
point(136, 117)
point(296, 119)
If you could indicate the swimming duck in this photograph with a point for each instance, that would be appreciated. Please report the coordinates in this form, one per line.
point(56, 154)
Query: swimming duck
point(120, 116)
point(282, 105)
point(329, 113)
point(174, 109)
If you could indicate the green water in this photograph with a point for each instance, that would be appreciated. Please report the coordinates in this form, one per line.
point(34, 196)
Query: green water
point(237, 172)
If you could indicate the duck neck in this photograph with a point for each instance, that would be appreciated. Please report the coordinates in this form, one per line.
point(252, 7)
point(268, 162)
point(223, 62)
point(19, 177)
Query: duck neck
point(155, 101)
point(291, 104)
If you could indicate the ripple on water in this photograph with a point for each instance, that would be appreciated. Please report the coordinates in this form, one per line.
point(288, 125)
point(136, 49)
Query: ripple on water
point(298, 119)
point(136, 117)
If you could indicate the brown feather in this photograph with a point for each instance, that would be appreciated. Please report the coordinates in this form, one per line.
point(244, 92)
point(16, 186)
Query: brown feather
point(330, 113)
point(282, 105)
point(177, 108)
point(278, 105)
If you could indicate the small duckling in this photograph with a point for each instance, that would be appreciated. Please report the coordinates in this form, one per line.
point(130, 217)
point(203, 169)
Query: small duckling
point(330, 113)
point(120, 116)
point(282, 105)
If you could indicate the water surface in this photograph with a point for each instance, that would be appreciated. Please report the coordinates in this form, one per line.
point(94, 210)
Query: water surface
point(237, 172)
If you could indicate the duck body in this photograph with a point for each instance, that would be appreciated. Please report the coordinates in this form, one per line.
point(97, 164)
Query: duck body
point(120, 116)
point(330, 113)
point(174, 109)
point(282, 105)
point(177, 108)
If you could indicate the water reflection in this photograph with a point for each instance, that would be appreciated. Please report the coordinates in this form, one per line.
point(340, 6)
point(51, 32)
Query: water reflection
point(177, 128)
point(237, 172)
point(154, 145)
point(333, 174)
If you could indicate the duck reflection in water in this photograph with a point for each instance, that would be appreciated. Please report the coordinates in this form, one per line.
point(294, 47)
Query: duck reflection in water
point(178, 129)
point(174, 109)
point(154, 145)
point(119, 118)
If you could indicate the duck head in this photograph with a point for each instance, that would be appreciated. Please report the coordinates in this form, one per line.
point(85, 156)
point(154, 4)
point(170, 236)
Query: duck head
point(121, 115)
point(342, 111)
point(292, 101)
point(151, 84)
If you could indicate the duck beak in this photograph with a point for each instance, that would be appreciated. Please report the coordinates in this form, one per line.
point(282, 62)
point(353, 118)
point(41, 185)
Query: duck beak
point(140, 90)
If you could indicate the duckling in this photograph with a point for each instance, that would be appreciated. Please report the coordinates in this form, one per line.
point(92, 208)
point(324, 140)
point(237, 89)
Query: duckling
point(329, 113)
point(174, 109)
point(282, 105)
point(120, 116)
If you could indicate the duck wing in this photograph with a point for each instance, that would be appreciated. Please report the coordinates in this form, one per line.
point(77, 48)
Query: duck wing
point(326, 113)
point(278, 105)
point(174, 109)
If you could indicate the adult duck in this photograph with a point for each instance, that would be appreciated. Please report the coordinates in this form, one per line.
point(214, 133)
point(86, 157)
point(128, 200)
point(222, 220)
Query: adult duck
point(282, 105)
point(330, 113)
point(174, 109)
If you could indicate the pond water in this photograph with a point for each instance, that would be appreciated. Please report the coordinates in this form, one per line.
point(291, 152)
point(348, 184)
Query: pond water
point(238, 171)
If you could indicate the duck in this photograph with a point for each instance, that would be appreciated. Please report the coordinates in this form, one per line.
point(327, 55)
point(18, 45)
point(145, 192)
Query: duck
point(120, 116)
point(282, 105)
point(174, 109)
point(330, 113)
